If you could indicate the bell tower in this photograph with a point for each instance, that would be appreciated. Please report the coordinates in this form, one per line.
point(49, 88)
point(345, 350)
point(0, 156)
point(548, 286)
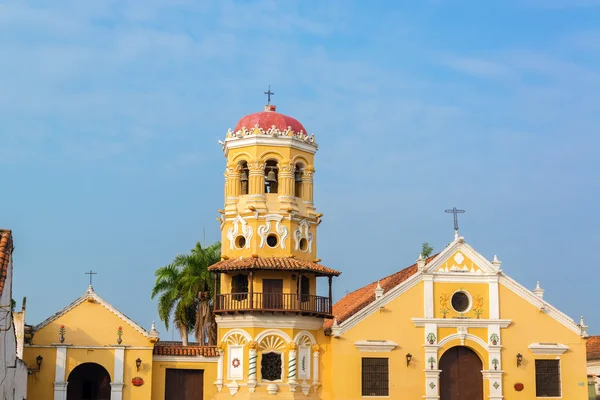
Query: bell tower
point(268, 311)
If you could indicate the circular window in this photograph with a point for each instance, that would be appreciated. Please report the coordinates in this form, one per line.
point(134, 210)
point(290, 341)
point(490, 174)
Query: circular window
point(272, 240)
point(461, 302)
point(303, 244)
point(240, 242)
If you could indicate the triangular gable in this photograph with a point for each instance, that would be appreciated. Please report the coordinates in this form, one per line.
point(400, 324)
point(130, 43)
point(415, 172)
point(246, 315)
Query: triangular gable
point(441, 265)
point(91, 295)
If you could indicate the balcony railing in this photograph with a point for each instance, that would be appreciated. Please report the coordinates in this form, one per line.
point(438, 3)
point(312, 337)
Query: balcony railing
point(273, 302)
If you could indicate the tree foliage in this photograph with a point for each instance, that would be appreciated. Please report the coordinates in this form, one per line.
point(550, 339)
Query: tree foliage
point(426, 250)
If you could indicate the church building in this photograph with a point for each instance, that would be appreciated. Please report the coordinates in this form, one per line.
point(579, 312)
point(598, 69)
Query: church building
point(453, 326)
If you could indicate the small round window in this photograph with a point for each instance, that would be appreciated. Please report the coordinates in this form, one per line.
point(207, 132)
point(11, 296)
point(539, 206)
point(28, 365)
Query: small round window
point(240, 242)
point(272, 240)
point(461, 302)
point(303, 244)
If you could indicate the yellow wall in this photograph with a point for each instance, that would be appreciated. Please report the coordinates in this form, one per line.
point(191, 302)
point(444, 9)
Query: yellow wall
point(131, 392)
point(479, 292)
point(342, 378)
point(159, 369)
point(40, 385)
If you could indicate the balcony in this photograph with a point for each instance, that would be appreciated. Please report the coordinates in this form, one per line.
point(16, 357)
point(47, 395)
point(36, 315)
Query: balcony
point(319, 306)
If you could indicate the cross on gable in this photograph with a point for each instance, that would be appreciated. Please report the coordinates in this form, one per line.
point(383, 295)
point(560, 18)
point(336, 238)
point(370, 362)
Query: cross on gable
point(455, 211)
point(91, 273)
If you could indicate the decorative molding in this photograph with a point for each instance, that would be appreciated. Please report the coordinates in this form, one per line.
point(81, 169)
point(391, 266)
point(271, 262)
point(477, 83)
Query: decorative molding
point(272, 343)
point(459, 246)
point(268, 321)
point(272, 132)
point(375, 346)
point(232, 233)
point(459, 322)
point(305, 338)
point(553, 349)
point(463, 336)
point(90, 295)
point(237, 337)
point(70, 346)
point(303, 232)
point(264, 140)
point(264, 230)
point(273, 332)
point(185, 359)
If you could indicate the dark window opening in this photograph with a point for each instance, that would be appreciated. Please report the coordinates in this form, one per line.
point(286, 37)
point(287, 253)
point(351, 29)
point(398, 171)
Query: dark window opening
point(270, 367)
point(239, 287)
point(460, 301)
point(272, 240)
point(375, 377)
point(547, 378)
point(271, 176)
point(240, 242)
point(298, 180)
point(305, 289)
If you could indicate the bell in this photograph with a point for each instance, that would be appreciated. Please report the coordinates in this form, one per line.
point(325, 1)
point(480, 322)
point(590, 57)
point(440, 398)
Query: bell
point(271, 176)
point(244, 177)
point(298, 177)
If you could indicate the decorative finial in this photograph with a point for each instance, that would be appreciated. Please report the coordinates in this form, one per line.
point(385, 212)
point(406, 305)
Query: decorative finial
point(496, 263)
point(336, 331)
point(378, 291)
point(269, 93)
point(421, 262)
point(90, 289)
point(583, 327)
point(538, 291)
point(455, 211)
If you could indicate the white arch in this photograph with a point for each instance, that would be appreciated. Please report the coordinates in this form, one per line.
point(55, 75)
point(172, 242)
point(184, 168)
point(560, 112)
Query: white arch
point(305, 333)
point(463, 337)
point(276, 332)
point(242, 332)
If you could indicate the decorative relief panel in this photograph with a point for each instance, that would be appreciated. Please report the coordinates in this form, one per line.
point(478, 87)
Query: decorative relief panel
point(303, 237)
point(459, 263)
point(304, 362)
point(281, 230)
point(240, 227)
point(272, 343)
point(235, 360)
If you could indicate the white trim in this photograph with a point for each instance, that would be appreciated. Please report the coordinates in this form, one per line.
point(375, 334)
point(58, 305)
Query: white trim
point(428, 296)
point(305, 333)
point(193, 359)
point(554, 349)
point(232, 332)
point(528, 295)
point(469, 298)
point(494, 300)
point(268, 321)
point(91, 295)
point(462, 338)
point(276, 332)
point(456, 322)
point(375, 346)
point(459, 245)
point(52, 346)
point(266, 140)
point(119, 364)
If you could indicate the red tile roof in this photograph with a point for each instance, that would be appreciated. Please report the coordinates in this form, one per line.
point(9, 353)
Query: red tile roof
point(178, 349)
point(593, 348)
point(6, 248)
point(272, 263)
point(353, 302)
point(269, 118)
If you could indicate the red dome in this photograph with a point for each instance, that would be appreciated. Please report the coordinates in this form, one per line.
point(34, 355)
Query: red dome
point(266, 119)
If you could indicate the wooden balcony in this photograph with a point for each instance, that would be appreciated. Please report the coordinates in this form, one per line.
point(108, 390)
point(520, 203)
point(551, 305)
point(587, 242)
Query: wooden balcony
point(273, 302)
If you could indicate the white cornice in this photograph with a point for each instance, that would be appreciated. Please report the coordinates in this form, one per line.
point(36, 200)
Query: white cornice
point(184, 359)
point(90, 295)
point(269, 321)
point(375, 346)
point(456, 322)
point(267, 140)
point(554, 349)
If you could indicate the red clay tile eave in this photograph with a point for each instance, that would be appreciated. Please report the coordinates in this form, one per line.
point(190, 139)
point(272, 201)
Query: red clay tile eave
point(6, 249)
point(272, 263)
point(353, 302)
point(593, 348)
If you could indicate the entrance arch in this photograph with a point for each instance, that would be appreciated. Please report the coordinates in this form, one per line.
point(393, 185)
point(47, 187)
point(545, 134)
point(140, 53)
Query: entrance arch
point(461, 377)
point(88, 381)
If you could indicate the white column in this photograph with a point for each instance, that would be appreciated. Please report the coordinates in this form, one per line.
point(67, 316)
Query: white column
point(60, 386)
point(219, 381)
point(428, 295)
point(432, 382)
point(292, 370)
point(316, 366)
point(494, 378)
point(116, 386)
point(494, 302)
point(253, 355)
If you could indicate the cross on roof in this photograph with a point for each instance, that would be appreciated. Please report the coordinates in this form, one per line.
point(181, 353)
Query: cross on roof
point(90, 274)
point(455, 211)
point(269, 93)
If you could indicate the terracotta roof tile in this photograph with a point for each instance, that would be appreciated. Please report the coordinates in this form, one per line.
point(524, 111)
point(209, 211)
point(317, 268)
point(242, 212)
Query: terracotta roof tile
point(178, 349)
point(593, 348)
point(271, 263)
point(353, 302)
point(6, 248)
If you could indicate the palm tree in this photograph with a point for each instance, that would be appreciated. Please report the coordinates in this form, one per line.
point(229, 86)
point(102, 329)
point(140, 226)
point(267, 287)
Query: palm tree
point(170, 304)
point(186, 293)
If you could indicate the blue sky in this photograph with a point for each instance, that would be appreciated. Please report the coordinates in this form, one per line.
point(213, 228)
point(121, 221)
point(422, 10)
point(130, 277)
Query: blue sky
point(110, 114)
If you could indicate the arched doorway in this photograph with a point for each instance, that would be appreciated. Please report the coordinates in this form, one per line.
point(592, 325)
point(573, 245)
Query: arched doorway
point(461, 377)
point(88, 381)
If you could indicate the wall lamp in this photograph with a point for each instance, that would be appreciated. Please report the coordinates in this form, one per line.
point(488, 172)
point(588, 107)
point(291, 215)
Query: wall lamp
point(138, 363)
point(38, 361)
point(408, 359)
point(519, 359)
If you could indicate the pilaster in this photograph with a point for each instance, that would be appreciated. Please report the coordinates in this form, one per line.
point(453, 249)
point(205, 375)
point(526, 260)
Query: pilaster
point(60, 386)
point(116, 386)
point(256, 184)
point(307, 188)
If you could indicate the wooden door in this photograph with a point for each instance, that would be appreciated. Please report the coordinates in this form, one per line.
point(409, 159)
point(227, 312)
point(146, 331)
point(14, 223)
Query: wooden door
point(461, 377)
point(272, 294)
point(184, 384)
